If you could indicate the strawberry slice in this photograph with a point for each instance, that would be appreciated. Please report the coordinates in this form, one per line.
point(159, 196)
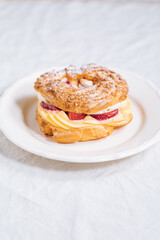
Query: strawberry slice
point(105, 116)
point(49, 107)
point(68, 82)
point(76, 116)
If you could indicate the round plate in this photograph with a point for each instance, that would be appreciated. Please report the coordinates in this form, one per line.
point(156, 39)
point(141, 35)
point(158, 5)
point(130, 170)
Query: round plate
point(18, 109)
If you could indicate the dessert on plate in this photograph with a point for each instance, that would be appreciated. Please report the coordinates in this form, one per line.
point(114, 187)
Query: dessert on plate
point(81, 104)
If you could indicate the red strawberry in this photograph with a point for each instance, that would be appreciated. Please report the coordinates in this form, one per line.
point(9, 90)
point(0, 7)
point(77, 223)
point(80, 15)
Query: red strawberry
point(76, 116)
point(49, 107)
point(68, 82)
point(105, 116)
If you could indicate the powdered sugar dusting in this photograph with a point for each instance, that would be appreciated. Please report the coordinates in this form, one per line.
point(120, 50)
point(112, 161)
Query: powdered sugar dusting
point(82, 89)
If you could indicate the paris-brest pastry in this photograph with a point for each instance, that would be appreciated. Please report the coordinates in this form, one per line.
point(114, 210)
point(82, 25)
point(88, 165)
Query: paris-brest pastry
point(81, 104)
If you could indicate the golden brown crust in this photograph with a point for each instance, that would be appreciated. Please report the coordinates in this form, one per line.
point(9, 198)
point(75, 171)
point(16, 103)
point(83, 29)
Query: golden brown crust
point(79, 134)
point(107, 88)
point(73, 135)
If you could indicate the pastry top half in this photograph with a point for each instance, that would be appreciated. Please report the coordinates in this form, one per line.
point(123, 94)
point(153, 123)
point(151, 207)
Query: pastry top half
point(88, 89)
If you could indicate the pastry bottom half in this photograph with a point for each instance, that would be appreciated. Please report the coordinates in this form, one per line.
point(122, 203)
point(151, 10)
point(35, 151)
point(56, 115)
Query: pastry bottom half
point(79, 134)
point(73, 134)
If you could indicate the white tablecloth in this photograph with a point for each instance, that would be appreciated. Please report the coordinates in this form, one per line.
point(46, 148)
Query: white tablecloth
point(45, 199)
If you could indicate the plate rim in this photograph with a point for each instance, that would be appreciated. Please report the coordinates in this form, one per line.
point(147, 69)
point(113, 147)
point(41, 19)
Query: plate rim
point(59, 157)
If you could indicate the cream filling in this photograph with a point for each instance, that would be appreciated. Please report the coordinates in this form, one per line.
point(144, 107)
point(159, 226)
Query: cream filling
point(112, 108)
point(60, 118)
point(40, 98)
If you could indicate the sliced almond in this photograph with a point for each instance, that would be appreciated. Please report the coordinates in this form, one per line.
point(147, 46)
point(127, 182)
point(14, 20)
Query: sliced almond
point(86, 83)
point(74, 83)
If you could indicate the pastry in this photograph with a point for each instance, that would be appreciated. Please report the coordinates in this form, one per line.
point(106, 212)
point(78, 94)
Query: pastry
point(80, 104)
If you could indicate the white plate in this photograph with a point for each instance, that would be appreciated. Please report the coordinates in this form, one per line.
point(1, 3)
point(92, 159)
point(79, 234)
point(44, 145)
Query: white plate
point(18, 107)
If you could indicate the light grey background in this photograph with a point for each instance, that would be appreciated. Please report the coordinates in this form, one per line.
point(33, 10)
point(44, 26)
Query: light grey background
point(86, 1)
point(44, 199)
point(37, 35)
